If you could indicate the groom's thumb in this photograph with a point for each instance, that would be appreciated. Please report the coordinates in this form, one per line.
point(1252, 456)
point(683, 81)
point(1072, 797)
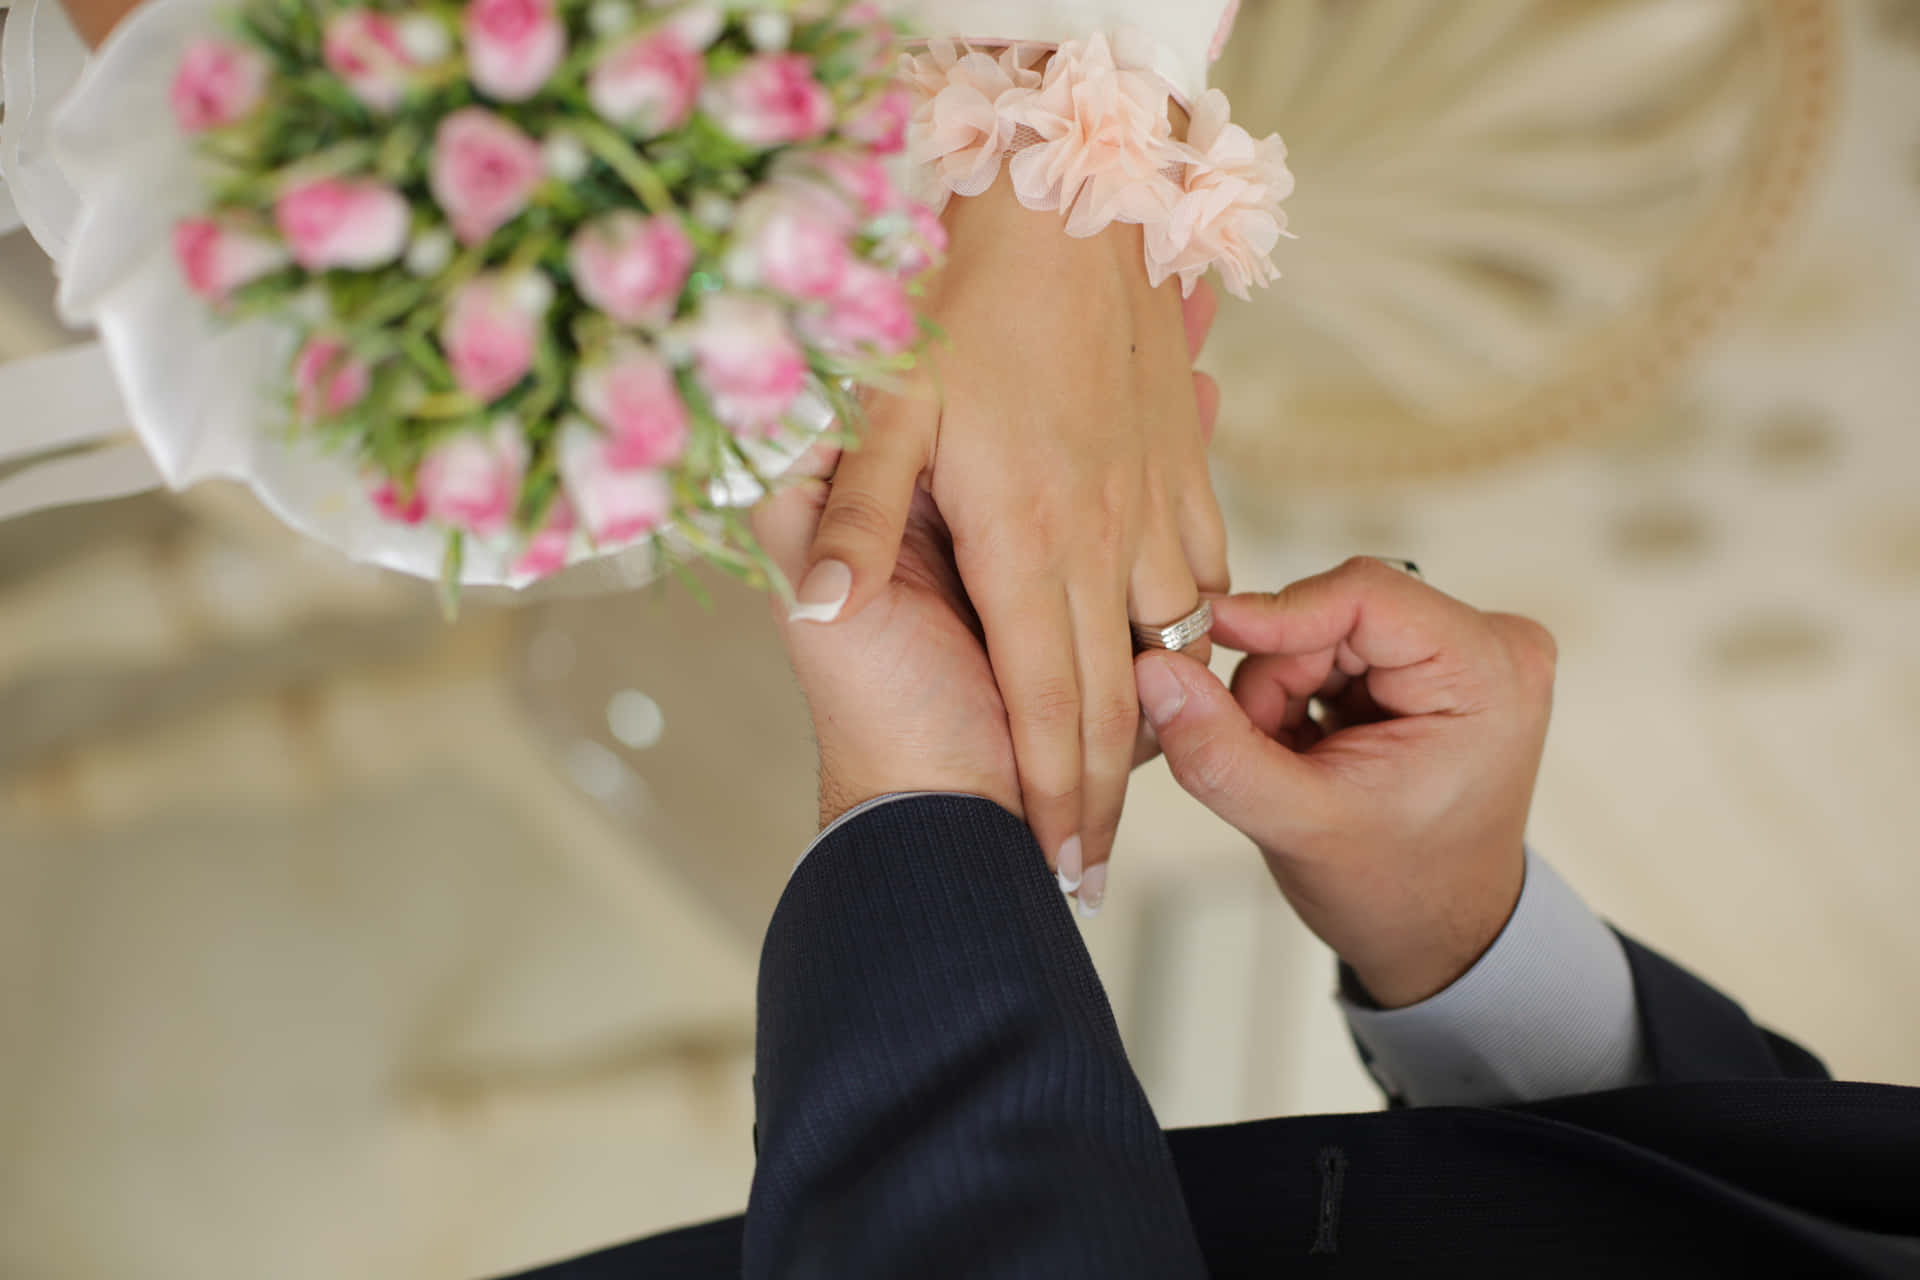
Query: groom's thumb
point(1216, 753)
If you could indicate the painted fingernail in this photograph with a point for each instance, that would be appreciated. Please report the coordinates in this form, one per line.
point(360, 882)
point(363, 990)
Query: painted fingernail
point(1067, 865)
point(823, 593)
point(1093, 891)
point(1161, 693)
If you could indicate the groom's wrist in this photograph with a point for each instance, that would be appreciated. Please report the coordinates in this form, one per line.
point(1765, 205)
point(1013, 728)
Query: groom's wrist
point(846, 784)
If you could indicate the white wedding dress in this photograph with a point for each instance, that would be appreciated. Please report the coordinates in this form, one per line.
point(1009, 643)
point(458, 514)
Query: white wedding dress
point(91, 166)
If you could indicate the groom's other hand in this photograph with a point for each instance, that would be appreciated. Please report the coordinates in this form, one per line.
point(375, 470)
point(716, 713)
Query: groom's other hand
point(1379, 744)
point(902, 696)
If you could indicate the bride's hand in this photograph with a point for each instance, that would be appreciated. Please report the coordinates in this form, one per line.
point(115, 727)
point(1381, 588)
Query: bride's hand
point(1059, 433)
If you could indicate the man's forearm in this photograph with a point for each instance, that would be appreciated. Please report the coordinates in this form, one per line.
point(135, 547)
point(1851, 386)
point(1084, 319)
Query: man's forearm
point(940, 1088)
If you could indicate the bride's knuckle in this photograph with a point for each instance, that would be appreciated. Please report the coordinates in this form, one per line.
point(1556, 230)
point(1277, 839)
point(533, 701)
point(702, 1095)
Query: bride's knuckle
point(1051, 704)
point(857, 516)
point(1112, 722)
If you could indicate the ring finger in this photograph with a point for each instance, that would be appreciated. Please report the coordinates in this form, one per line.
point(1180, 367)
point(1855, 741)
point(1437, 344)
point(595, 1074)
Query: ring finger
point(1163, 589)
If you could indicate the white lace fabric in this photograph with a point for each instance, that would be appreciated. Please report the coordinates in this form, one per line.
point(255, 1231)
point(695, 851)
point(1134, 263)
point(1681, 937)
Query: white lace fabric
point(93, 167)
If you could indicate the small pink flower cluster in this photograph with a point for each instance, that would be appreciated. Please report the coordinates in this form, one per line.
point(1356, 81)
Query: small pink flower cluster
point(1089, 137)
point(805, 269)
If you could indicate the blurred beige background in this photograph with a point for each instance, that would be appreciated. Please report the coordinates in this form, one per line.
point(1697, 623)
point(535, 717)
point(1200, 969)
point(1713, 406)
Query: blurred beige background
point(335, 940)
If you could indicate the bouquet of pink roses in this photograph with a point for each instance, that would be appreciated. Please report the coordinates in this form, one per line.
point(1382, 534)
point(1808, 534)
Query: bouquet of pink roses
point(558, 268)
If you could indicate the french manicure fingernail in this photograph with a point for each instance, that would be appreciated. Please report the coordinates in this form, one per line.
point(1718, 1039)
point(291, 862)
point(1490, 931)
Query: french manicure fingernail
point(1067, 865)
point(1093, 891)
point(823, 593)
point(1161, 693)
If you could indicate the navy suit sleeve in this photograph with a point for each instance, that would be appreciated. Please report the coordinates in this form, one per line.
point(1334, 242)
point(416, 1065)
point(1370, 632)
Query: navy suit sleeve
point(1695, 1032)
point(940, 1089)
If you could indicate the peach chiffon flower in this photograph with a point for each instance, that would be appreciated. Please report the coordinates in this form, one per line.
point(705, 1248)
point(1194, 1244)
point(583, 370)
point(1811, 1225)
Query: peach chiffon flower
point(1228, 213)
point(963, 124)
point(1104, 138)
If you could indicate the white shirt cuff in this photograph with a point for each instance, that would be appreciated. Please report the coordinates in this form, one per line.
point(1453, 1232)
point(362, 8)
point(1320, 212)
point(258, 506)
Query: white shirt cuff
point(859, 809)
point(1549, 1010)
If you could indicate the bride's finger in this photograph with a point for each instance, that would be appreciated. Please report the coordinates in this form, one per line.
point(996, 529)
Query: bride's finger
point(858, 540)
point(784, 522)
point(1198, 311)
point(1163, 588)
point(1206, 394)
point(1030, 641)
point(1109, 715)
point(1203, 538)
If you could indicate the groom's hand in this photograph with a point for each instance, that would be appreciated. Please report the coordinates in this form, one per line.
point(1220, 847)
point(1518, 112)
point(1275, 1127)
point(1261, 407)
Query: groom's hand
point(902, 695)
point(1379, 744)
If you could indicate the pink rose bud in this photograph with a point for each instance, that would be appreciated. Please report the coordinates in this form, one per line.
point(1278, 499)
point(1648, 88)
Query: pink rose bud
point(878, 38)
point(792, 237)
point(861, 178)
point(630, 267)
point(920, 244)
point(366, 50)
point(327, 380)
point(881, 122)
point(771, 101)
point(483, 172)
point(490, 335)
point(871, 312)
point(217, 257)
point(647, 85)
point(396, 506)
point(472, 481)
point(615, 504)
point(548, 551)
point(748, 360)
point(633, 397)
point(513, 46)
point(342, 222)
point(217, 84)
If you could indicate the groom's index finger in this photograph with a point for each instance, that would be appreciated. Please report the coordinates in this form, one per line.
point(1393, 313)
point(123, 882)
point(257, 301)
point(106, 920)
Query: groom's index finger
point(1387, 617)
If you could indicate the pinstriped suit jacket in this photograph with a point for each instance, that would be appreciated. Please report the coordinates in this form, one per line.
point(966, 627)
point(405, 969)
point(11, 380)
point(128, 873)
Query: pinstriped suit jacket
point(941, 1092)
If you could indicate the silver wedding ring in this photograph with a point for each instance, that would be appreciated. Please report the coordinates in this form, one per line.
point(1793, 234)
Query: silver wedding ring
point(1178, 634)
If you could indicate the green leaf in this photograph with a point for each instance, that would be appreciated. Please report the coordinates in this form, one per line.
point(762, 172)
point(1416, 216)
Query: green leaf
point(450, 575)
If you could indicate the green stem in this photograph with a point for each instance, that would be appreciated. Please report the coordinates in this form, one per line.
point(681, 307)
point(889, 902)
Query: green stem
point(444, 405)
point(450, 576)
point(621, 157)
point(527, 254)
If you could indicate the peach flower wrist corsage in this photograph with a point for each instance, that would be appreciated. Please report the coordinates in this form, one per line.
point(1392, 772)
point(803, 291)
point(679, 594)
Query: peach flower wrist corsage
point(1088, 136)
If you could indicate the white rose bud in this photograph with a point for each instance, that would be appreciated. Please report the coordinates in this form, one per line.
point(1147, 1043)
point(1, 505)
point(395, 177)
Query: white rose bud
point(769, 30)
point(713, 211)
point(566, 160)
point(699, 25)
point(310, 306)
point(425, 39)
point(675, 347)
point(609, 17)
point(532, 292)
point(430, 253)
